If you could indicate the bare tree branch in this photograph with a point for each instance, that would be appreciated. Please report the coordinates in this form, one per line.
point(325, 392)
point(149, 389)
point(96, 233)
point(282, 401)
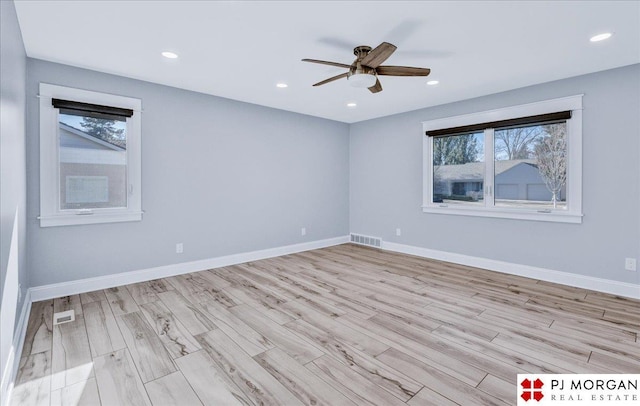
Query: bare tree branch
point(517, 143)
point(551, 158)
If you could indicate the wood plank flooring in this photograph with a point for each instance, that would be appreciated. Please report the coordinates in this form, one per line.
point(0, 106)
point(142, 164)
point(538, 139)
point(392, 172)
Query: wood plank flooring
point(345, 325)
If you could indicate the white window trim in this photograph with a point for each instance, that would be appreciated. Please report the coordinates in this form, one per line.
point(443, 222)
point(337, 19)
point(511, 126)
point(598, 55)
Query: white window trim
point(573, 212)
point(50, 214)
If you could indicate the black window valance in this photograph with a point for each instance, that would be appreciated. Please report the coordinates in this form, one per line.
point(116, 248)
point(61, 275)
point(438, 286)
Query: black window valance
point(520, 121)
point(91, 110)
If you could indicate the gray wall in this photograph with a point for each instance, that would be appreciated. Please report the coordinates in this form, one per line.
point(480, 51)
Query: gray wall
point(12, 172)
point(386, 184)
point(220, 176)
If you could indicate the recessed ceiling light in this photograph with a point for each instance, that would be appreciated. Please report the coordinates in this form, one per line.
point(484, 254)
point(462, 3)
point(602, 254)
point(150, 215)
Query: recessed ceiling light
point(169, 54)
point(352, 104)
point(282, 85)
point(432, 82)
point(601, 37)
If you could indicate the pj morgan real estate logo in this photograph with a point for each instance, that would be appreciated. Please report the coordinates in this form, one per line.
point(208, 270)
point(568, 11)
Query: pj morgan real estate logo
point(578, 389)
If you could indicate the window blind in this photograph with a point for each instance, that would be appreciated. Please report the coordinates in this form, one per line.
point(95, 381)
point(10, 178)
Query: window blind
point(520, 121)
point(91, 110)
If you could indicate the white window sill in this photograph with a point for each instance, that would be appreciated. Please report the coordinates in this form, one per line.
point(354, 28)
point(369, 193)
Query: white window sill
point(95, 218)
point(518, 214)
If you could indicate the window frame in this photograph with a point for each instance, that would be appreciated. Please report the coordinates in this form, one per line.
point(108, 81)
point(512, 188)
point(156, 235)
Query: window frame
point(50, 212)
point(573, 212)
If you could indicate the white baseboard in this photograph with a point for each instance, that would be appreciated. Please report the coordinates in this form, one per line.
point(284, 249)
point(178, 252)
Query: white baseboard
point(103, 282)
point(564, 278)
point(13, 362)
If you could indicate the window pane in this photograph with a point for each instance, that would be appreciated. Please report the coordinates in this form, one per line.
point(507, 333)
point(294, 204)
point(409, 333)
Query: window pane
point(93, 161)
point(458, 169)
point(530, 166)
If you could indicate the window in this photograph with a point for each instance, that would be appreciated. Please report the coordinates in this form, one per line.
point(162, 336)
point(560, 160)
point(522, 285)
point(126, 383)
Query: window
point(522, 162)
point(89, 157)
point(458, 169)
point(530, 166)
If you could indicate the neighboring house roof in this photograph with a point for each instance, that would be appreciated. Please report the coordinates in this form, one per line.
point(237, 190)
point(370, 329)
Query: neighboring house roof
point(473, 171)
point(118, 145)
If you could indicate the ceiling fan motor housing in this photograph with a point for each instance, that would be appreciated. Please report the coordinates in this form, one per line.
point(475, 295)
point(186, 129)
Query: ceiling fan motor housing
point(359, 75)
point(360, 70)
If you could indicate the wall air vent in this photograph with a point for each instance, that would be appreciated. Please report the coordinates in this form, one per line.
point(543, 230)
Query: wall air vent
point(63, 317)
point(366, 240)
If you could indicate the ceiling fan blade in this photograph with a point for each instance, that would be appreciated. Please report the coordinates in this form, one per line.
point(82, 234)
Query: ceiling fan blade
point(402, 71)
point(340, 76)
point(378, 55)
point(376, 88)
point(339, 65)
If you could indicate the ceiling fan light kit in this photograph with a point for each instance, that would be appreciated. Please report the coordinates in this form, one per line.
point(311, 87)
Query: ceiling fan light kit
point(364, 71)
point(362, 79)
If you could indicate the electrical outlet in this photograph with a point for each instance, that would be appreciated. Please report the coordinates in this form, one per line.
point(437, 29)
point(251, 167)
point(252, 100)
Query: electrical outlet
point(630, 264)
point(303, 231)
point(179, 248)
point(398, 232)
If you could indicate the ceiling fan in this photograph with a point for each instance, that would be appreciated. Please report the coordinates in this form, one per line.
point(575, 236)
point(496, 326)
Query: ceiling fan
point(364, 71)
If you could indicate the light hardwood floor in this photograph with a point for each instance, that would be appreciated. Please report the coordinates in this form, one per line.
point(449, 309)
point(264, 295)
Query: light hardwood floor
point(345, 325)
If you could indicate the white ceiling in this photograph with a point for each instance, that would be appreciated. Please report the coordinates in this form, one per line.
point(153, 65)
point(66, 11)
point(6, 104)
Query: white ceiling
point(240, 50)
